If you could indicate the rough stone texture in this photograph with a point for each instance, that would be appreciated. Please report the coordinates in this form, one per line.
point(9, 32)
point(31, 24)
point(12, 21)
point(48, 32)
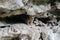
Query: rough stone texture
point(29, 32)
point(18, 30)
point(34, 8)
point(9, 4)
point(8, 7)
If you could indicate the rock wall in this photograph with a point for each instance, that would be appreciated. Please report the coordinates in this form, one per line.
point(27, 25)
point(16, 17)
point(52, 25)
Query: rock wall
point(40, 20)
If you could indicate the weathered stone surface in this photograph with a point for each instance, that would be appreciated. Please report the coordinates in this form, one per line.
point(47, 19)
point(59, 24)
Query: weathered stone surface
point(19, 29)
point(16, 5)
point(29, 32)
point(11, 4)
point(33, 8)
point(12, 12)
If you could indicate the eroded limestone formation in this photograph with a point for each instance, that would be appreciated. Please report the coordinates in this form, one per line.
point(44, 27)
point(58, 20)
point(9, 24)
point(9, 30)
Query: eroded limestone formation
point(29, 20)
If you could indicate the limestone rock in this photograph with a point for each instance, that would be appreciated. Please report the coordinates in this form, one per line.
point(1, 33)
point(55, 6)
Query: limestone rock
point(32, 8)
point(19, 29)
point(11, 4)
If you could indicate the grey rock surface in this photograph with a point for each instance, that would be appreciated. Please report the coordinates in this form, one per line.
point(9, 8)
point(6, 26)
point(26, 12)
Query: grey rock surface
point(34, 8)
